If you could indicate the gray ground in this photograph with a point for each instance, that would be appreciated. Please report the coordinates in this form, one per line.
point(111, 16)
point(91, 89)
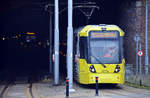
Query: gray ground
point(46, 90)
point(17, 91)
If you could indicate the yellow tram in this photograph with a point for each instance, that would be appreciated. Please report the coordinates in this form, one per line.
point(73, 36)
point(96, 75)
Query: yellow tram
point(98, 51)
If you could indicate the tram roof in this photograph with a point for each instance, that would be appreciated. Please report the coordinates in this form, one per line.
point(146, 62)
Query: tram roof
point(84, 31)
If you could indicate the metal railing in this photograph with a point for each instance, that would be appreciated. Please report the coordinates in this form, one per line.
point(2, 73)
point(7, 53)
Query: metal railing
point(130, 75)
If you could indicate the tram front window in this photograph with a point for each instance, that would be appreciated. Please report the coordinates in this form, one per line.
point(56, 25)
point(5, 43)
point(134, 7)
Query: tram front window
point(104, 51)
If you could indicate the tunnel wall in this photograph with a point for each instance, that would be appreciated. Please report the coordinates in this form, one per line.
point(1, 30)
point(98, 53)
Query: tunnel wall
point(132, 21)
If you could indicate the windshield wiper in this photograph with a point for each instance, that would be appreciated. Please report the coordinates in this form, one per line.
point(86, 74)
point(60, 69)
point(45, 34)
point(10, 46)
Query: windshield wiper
point(99, 61)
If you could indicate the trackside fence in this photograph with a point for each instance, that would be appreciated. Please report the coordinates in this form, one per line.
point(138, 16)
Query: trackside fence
point(131, 77)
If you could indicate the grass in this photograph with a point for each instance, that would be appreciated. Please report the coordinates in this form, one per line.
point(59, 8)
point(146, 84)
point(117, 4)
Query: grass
point(137, 85)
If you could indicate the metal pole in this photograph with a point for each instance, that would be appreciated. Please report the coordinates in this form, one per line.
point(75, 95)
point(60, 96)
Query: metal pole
point(137, 38)
point(50, 43)
point(146, 39)
point(70, 46)
point(137, 43)
point(96, 91)
point(56, 46)
point(140, 66)
point(67, 87)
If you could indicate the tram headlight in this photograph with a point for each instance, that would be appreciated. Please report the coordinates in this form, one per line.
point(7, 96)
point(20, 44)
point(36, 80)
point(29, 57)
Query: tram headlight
point(92, 69)
point(117, 69)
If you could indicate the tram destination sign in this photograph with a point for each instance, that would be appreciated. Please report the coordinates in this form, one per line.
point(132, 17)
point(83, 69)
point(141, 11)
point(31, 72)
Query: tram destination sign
point(103, 34)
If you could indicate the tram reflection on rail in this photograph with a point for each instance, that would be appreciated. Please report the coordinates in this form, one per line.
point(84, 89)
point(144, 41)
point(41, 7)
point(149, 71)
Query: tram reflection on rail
point(98, 51)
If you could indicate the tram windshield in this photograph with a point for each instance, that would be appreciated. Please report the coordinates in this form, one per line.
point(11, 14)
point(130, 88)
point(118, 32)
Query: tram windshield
point(104, 49)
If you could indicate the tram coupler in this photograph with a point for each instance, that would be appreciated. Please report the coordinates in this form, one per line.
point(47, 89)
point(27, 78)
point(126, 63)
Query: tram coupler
point(67, 87)
point(96, 86)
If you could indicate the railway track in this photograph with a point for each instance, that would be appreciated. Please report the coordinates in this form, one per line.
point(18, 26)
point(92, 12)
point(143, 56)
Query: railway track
point(11, 87)
point(30, 88)
point(4, 90)
point(7, 83)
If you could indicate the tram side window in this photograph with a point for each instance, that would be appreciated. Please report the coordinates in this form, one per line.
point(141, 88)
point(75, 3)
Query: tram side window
point(121, 49)
point(83, 49)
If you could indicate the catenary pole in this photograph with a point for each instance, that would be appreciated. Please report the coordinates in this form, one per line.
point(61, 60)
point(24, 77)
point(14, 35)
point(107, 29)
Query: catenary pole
point(70, 46)
point(146, 38)
point(137, 49)
point(56, 45)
